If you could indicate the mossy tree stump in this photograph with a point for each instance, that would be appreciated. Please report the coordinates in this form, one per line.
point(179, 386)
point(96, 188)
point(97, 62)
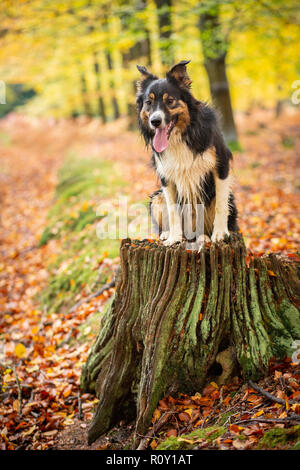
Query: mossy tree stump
point(180, 319)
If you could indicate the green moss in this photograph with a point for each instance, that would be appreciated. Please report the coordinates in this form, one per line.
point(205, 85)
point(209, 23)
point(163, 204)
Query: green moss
point(82, 183)
point(296, 446)
point(92, 324)
point(76, 268)
point(224, 417)
point(174, 443)
point(280, 437)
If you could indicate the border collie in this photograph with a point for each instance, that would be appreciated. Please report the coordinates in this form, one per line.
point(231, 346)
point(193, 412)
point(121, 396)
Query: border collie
point(189, 156)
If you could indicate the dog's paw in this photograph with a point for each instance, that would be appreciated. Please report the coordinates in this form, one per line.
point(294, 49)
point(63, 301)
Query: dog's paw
point(173, 239)
point(201, 240)
point(219, 235)
point(164, 235)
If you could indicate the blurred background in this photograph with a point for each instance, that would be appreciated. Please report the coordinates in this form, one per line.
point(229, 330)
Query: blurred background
point(74, 57)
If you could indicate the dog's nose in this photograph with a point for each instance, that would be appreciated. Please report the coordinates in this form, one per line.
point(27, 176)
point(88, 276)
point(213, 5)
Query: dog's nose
point(156, 122)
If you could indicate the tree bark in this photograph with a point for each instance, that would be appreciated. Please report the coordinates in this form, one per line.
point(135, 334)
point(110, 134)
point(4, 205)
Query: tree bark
point(114, 101)
point(181, 319)
point(215, 46)
point(85, 98)
point(165, 30)
point(139, 52)
point(101, 106)
point(220, 93)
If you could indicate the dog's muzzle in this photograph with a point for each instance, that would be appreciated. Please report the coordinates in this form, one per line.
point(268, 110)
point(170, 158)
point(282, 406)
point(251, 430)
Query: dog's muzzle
point(157, 119)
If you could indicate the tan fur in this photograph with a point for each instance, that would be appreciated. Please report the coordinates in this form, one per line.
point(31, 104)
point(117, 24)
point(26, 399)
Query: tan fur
point(223, 188)
point(181, 76)
point(144, 116)
point(183, 115)
point(178, 108)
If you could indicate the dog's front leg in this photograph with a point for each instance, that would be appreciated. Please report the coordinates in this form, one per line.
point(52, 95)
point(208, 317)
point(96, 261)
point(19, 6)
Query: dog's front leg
point(220, 229)
point(175, 227)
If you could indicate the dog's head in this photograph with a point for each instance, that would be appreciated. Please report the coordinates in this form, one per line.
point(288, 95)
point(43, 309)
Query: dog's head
point(163, 104)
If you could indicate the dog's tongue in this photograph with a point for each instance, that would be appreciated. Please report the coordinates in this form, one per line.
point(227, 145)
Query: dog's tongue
point(160, 141)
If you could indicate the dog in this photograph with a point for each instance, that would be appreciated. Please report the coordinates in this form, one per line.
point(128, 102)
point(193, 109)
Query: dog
point(190, 157)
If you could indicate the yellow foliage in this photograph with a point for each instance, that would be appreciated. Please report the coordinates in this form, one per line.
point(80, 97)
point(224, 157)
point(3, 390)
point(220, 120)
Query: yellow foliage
point(51, 49)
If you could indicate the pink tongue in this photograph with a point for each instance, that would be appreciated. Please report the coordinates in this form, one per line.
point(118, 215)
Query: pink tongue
point(160, 141)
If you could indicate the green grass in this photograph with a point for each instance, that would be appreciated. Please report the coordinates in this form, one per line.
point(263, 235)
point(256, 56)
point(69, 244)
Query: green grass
point(274, 438)
point(287, 142)
point(82, 185)
point(188, 441)
point(77, 268)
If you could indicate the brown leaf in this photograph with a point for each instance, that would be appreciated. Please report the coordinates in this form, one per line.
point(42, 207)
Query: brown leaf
point(171, 432)
point(241, 445)
point(184, 417)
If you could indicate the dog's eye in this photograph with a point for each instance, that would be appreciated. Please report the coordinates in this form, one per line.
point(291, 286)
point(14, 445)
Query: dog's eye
point(148, 102)
point(170, 100)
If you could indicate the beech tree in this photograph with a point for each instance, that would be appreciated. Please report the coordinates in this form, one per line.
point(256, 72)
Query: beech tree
point(215, 46)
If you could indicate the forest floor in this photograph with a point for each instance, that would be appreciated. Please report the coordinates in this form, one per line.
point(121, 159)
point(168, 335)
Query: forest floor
point(53, 175)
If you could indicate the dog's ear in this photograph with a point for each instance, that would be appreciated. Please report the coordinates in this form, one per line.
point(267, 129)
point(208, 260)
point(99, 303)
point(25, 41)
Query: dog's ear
point(147, 77)
point(179, 73)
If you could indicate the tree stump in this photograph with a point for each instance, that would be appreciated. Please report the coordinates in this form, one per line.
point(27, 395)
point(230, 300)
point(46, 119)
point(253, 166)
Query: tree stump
point(180, 319)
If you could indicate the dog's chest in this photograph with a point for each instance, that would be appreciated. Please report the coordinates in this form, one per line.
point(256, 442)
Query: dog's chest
point(179, 166)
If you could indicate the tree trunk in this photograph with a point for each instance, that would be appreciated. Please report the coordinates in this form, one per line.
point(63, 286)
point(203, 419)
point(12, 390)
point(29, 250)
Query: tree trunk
point(140, 53)
point(114, 102)
point(181, 319)
point(219, 90)
point(101, 106)
point(165, 30)
point(85, 97)
point(215, 46)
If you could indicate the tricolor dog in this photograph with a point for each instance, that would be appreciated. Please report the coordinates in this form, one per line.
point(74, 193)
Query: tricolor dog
point(189, 156)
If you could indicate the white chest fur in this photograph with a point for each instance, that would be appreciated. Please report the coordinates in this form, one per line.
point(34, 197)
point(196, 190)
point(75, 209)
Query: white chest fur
point(185, 170)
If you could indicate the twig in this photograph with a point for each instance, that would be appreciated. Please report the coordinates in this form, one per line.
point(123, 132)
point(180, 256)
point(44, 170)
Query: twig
point(229, 417)
point(218, 404)
point(27, 250)
point(19, 386)
point(156, 427)
point(67, 338)
point(270, 420)
point(269, 395)
point(206, 420)
point(285, 387)
point(96, 294)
